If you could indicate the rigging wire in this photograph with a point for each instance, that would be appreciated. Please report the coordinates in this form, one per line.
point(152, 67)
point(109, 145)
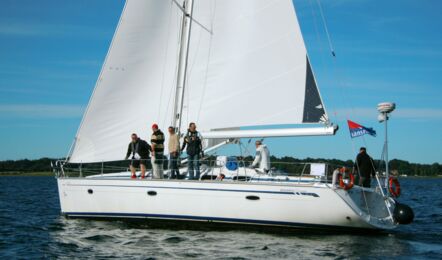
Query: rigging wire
point(208, 61)
point(326, 29)
point(338, 73)
point(321, 48)
point(340, 80)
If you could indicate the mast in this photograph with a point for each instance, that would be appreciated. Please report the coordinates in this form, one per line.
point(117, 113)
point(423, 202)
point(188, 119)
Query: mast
point(187, 9)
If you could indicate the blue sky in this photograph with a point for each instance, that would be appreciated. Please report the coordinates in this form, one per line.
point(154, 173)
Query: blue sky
point(51, 52)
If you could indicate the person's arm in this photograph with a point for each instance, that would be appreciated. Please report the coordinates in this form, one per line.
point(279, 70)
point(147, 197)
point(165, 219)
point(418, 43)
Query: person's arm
point(128, 152)
point(153, 141)
point(201, 144)
point(148, 147)
point(184, 144)
point(257, 159)
point(175, 145)
point(372, 167)
point(357, 161)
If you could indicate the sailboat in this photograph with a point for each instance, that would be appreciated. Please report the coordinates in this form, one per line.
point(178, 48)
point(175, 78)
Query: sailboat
point(239, 69)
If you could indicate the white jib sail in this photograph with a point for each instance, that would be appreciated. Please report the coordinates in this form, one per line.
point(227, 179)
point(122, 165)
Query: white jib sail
point(135, 84)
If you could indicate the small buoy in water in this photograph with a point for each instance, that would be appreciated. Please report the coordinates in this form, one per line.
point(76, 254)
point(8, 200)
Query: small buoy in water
point(403, 214)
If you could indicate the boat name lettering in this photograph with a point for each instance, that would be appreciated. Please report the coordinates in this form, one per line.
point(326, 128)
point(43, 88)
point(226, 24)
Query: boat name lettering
point(302, 193)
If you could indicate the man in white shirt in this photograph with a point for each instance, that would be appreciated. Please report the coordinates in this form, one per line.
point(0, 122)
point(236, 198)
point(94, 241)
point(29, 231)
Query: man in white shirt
point(262, 157)
point(174, 153)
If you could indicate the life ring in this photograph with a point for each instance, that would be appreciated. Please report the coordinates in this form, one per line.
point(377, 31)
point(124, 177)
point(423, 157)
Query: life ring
point(394, 187)
point(349, 185)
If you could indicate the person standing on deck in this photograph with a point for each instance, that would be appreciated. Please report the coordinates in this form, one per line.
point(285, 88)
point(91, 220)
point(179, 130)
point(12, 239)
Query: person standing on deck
point(174, 153)
point(262, 157)
point(138, 151)
point(194, 148)
point(364, 167)
point(157, 141)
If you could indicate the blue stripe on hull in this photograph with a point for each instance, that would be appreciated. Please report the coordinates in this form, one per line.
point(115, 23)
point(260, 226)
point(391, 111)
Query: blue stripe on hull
point(208, 219)
point(206, 189)
point(180, 188)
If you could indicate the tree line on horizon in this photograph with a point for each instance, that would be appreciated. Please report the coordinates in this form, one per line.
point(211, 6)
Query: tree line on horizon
point(286, 163)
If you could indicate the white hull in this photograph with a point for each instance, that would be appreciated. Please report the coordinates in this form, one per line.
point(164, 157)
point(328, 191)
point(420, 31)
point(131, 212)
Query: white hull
point(259, 203)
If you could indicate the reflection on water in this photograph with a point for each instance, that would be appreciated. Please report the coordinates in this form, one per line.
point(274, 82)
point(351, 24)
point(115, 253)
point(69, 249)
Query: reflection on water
point(34, 229)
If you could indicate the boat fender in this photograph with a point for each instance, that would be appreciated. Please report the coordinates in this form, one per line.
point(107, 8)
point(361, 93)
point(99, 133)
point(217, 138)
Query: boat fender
point(394, 187)
point(403, 214)
point(350, 184)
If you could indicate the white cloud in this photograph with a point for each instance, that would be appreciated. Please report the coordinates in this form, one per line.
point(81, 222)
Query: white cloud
point(41, 111)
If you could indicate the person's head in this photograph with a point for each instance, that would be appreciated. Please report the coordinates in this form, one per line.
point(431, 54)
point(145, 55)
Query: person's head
point(171, 130)
point(154, 127)
point(362, 150)
point(134, 137)
point(192, 126)
point(258, 143)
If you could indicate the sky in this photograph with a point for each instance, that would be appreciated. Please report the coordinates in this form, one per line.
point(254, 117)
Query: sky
point(51, 53)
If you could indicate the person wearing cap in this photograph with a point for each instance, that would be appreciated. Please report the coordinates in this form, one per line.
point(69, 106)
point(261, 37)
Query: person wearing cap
point(157, 141)
point(364, 167)
point(138, 151)
point(174, 153)
point(262, 157)
point(194, 149)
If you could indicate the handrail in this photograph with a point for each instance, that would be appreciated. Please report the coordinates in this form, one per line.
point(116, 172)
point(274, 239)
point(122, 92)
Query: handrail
point(279, 168)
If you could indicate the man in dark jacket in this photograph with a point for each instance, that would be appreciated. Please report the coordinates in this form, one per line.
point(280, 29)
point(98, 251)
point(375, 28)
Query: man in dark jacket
point(365, 168)
point(157, 141)
point(138, 151)
point(194, 148)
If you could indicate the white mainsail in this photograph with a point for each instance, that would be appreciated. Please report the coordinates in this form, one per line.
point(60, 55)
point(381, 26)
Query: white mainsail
point(248, 66)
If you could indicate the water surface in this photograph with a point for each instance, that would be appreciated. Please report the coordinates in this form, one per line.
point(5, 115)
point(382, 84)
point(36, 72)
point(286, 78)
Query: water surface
point(31, 227)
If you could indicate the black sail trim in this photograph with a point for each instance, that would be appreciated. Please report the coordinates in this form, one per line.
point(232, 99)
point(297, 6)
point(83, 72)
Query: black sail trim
point(313, 107)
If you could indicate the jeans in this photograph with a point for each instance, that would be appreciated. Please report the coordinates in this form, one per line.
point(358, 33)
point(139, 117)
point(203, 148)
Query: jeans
point(173, 166)
point(194, 165)
point(157, 169)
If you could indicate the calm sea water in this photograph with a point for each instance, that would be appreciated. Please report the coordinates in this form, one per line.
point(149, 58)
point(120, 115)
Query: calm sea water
point(31, 227)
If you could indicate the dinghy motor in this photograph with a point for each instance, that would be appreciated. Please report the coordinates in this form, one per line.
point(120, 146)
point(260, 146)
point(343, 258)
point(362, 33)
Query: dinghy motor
point(403, 214)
